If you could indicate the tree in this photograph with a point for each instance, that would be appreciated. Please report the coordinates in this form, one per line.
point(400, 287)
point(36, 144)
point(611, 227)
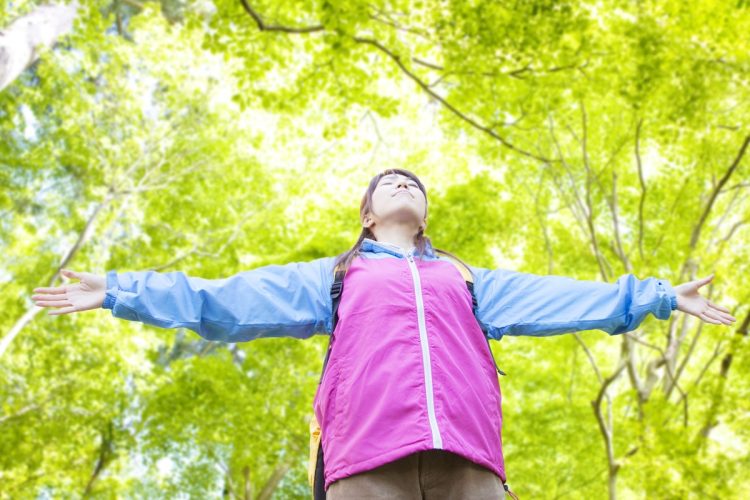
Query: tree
point(554, 137)
point(26, 37)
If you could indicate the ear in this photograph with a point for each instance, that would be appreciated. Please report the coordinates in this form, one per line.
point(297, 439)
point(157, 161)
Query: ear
point(423, 226)
point(367, 221)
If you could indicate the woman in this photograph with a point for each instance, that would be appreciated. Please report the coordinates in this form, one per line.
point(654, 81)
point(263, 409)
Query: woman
point(409, 402)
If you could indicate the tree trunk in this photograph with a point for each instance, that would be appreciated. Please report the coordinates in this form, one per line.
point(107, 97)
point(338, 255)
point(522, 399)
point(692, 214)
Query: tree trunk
point(21, 42)
point(273, 481)
point(30, 313)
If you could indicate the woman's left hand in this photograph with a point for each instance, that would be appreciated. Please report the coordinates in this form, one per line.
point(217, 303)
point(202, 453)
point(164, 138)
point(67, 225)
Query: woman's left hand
point(691, 302)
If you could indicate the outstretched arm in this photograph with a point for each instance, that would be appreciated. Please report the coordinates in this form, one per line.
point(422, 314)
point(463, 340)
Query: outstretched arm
point(272, 301)
point(512, 303)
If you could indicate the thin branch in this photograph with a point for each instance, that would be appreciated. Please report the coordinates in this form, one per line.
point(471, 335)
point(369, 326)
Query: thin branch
point(606, 429)
point(718, 396)
point(644, 343)
point(545, 230)
point(580, 218)
point(589, 204)
point(133, 3)
point(445, 103)
point(426, 64)
point(399, 27)
point(23, 411)
point(590, 356)
point(397, 59)
point(740, 185)
point(272, 483)
point(106, 453)
point(642, 182)
point(728, 211)
point(707, 365)
point(246, 477)
point(673, 350)
point(689, 354)
point(274, 27)
point(671, 214)
point(616, 222)
point(707, 210)
point(30, 313)
point(635, 380)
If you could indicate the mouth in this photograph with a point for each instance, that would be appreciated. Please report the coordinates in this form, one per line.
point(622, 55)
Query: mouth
point(403, 192)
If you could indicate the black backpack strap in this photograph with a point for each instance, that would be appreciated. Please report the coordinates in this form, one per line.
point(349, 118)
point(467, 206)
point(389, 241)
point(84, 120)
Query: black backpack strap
point(337, 288)
point(319, 492)
point(474, 306)
point(469, 279)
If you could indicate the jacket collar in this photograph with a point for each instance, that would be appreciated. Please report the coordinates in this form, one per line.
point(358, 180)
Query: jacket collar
point(370, 245)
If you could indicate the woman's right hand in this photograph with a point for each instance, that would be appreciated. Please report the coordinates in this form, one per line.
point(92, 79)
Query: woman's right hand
point(87, 294)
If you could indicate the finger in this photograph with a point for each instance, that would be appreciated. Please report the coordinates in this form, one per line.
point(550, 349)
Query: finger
point(701, 316)
point(720, 312)
point(71, 274)
point(727, 318)
point(705, 280)
point(49, 296)
point(713, 315)
point(53, 303)
point(54, 290)
point(717, 306)
point(62, 311)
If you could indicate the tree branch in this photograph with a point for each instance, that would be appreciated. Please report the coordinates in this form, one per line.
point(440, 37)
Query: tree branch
point(580, 218)
point(106, 453)
point(616, 222)
point(23, 411)
point(273, 481)
point(274, 27)
point(397, 59)
point(589, 204)
point(606, 429)
point(446, 104)
point(589, 356)
point(642, 182)
point(635, 380)
point(707, 210)
point(30, 313)
point(726, 363)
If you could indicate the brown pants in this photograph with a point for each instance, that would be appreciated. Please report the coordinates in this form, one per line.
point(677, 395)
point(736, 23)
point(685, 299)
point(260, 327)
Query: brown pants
point(426, 475)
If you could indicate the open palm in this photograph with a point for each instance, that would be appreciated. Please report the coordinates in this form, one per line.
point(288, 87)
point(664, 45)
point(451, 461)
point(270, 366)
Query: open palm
point(87, 294)
point(691, 302)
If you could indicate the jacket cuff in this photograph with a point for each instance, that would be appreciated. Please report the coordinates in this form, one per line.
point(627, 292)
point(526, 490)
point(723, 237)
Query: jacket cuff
point(110, 297)
point(666, 287)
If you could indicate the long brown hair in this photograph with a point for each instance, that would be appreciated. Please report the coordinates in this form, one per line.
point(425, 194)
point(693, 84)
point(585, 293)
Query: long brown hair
point(421, 241)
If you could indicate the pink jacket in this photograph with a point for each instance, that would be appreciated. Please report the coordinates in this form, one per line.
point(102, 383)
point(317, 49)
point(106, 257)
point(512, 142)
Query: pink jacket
point(409, 370)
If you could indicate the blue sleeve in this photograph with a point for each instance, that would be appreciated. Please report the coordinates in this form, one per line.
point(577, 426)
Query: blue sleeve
point(291, 300)
point(513, 303)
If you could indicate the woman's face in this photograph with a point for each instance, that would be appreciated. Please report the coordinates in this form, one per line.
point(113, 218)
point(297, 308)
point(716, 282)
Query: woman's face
point(397, 198)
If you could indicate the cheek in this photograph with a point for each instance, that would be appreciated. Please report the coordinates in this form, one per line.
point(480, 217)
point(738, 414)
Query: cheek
point(378, 201)
point(423, 206)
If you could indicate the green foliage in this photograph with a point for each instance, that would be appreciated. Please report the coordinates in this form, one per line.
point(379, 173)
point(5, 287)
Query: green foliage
point(585, 139)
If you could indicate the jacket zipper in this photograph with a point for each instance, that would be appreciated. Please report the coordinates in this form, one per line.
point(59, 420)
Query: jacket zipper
point(437, 441)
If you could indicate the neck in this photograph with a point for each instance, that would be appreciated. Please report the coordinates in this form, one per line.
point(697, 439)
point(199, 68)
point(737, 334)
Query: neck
point(400, 235)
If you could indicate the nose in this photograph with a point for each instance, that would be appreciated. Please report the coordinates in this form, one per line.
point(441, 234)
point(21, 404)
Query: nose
point(402, 183)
